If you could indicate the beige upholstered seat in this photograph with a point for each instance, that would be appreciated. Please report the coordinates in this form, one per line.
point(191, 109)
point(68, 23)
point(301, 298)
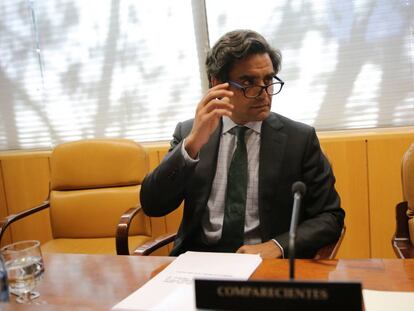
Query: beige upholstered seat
point(93, 183)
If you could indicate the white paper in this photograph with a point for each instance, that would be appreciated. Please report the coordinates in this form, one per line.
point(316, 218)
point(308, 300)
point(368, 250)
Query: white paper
point(173, 288)
point(384, 300)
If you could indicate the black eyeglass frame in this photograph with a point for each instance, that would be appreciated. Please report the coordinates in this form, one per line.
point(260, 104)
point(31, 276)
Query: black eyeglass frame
point(264, 87)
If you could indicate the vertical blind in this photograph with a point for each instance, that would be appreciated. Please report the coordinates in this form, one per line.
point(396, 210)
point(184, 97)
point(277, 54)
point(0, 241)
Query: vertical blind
point(72, 69)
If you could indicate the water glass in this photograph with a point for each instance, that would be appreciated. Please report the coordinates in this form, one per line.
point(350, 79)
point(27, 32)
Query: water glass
point(24, 265)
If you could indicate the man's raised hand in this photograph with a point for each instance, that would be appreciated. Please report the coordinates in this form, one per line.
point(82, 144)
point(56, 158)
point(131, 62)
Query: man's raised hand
point(214, 105)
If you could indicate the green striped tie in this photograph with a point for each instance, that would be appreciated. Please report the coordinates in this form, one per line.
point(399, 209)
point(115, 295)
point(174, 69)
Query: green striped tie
point(235, 206)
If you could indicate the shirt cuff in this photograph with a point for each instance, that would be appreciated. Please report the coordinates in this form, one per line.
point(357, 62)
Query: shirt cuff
point(281, 248)
point(187, 158)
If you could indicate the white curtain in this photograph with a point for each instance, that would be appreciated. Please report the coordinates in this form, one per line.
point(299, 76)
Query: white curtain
point(346, 64)
point(72, 69)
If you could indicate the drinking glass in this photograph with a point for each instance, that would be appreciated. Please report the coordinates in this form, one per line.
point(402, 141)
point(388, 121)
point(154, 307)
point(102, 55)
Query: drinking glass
point(24, 265)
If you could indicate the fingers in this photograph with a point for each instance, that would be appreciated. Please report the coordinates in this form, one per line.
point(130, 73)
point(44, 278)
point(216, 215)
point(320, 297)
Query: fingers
point(215, 104)
point(246, 249)
point(216, 95)
point(216, 108)
point(265, 250)
point(220, 86)
point(215, 115)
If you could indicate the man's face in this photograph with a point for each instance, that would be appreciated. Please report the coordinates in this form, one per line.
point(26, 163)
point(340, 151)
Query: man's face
point(255, 69)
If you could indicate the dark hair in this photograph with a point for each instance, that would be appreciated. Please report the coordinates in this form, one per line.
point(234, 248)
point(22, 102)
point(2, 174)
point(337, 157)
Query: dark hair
point(236, 45)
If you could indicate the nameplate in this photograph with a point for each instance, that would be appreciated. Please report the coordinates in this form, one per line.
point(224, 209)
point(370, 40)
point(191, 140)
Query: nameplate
point(278, 295)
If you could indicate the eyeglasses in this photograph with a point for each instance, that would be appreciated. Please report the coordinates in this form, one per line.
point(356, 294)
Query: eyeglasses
point(255, 91)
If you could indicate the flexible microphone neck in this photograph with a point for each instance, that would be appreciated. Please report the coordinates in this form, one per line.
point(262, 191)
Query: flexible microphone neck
point(299, 190)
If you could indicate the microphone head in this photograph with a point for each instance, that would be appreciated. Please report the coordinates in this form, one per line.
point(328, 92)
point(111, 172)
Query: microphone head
point(299, 187)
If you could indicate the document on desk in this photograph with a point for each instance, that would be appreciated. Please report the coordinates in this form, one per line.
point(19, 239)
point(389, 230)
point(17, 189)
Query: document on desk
point(384, 300)
point(173, 288)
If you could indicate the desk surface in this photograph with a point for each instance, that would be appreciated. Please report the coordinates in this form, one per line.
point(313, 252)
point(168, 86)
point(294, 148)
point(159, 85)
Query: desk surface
point(97, 282)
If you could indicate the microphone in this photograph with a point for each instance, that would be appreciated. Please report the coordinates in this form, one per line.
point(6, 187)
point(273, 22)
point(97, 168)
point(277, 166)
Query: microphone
point(298, 190)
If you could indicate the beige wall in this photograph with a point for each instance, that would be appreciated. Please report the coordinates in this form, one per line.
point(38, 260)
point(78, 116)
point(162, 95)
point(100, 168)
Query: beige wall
point(366, 166)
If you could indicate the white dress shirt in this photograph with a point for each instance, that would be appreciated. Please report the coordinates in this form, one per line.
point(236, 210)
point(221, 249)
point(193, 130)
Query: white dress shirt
point(212, 220)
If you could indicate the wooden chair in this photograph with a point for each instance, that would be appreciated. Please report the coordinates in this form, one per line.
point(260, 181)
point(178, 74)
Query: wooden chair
point(327, 252)
point(403, 239)
point(94, 198)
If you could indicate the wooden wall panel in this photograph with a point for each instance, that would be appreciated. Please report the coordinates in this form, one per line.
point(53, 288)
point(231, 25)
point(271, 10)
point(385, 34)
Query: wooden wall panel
point(26, 184)
point(384, 166)
point(3, 208)
point(348, 160)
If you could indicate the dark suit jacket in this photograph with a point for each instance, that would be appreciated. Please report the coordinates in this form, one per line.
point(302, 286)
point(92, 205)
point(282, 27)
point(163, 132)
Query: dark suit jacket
point(289, 151)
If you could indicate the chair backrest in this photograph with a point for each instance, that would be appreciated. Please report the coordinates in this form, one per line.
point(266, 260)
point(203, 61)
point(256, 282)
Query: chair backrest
point(407, 177)
point(93, 182)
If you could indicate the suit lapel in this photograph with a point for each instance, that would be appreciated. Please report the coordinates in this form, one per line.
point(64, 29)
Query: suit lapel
point(272, 147)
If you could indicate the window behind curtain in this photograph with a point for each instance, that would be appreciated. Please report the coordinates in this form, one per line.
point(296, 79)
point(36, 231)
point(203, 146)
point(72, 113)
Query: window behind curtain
point(346, 64)
point(74, 69)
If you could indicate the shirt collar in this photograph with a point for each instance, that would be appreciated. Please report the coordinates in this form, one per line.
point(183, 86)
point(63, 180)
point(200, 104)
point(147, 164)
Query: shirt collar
point(228, 124)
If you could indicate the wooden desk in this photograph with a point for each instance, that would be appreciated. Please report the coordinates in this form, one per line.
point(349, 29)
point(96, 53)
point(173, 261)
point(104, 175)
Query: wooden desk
point(97, 282)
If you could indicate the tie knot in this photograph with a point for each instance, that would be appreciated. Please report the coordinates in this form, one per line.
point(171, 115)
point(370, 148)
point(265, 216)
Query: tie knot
point(239, 131)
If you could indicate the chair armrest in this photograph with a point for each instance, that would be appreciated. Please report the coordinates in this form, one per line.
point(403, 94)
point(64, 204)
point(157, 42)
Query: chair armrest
point(151, 246)
point(329, 251)
point(401, 242)
point(403, 248)
point(8, 220)
point(401, 219)
point(122, 230)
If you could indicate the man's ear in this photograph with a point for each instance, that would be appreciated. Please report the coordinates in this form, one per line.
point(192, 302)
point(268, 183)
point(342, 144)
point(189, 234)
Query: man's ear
point(214, 81)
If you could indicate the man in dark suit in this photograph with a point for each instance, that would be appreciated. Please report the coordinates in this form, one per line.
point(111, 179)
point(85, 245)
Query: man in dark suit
point(277, 152)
